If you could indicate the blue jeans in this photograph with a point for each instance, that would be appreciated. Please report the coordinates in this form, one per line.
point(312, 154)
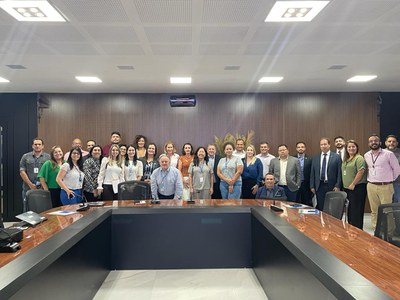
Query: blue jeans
point(77, 198)
point(237, 189)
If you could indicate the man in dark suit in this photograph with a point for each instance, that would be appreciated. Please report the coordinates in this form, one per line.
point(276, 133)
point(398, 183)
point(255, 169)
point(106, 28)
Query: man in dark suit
point(304, 194)
point(326, 172)
point(287, 172)
point(213, 160)
point(270, 190)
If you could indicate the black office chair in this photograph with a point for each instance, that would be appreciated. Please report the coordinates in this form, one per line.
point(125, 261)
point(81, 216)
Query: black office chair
point(335, 203)
point(38, 200)
point(134, 190)
point(388, 223)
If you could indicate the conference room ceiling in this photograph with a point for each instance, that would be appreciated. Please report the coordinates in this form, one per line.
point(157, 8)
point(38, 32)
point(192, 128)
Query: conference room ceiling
point(135, 46)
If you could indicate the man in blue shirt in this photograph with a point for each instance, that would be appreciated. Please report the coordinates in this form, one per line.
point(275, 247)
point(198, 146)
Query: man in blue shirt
point(166, 181)
point(270, 190)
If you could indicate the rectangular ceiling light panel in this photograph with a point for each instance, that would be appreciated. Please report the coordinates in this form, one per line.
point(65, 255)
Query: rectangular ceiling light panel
point(32, 11)
point(295, 11)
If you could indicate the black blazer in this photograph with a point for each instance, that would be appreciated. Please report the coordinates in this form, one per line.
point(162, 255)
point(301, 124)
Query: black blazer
point(334, 171)
point(216, 161)
point(306, 169)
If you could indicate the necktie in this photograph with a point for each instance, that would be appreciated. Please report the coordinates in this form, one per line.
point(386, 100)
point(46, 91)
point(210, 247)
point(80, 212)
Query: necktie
point(340, 153)
point(323, 169)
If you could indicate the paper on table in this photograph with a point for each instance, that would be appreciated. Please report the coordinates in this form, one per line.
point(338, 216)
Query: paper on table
point(310, 211)
point(62, 212)
point(296, 205)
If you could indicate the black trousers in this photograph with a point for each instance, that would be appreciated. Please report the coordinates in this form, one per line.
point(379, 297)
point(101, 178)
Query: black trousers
point(108, 193)
point(217, 193)
point(55, 197)
point(304, 194)
point(322, 190)
point(355, 212)
point(165, 197)
point(247, 184)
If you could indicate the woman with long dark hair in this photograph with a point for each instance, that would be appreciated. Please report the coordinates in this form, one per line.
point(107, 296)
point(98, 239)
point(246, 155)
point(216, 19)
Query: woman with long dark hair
point(140, 142)
point(91, 168)
point(354, 177)
point(150, 162)
point(201, 177)
point(48, 174)
point(183, 166)
point(133, 167)
point(229, 170)
point(70, 178)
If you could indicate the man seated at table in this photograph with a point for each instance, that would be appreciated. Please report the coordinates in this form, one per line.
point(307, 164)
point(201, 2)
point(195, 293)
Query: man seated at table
point(270, 190)
point(166, 181)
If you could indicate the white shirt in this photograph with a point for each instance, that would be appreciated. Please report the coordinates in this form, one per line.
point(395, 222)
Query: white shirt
point(327, 161)
point(266, 160)
point(282, 177)
point(239, 154)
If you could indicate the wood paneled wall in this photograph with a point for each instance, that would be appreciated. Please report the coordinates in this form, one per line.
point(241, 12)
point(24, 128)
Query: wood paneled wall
point(277, 118)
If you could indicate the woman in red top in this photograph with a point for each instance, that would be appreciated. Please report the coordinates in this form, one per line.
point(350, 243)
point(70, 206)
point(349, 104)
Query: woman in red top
point(183, 165)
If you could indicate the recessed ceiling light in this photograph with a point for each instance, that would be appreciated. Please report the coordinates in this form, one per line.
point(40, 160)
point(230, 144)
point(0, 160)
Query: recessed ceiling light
point(16, 67)
point(295, 11)
point(361, 78)
point(270, 79)
point(232, 68)
point(88, 79)
point(3, 80)
point(31, 11)
point(337, 67)
point(175, 80)
point(125, 68)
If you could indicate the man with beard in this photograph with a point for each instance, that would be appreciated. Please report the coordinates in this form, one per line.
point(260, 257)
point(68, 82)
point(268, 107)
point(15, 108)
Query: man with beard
point(383, 169)
point(340, 145)
point(304, 195)
point(391, 144)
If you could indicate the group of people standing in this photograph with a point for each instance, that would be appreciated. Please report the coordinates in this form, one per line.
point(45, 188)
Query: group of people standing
point(202, 174)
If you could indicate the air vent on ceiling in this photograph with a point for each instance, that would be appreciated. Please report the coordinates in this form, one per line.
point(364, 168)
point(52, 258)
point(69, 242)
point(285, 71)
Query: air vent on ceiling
point(16, 67)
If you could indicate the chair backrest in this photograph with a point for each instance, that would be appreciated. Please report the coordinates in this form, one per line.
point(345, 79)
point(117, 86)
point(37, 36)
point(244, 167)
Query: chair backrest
point(388, 223)
point(1, 221)
point(134, 190)
point(335, 203)
point(38, 200)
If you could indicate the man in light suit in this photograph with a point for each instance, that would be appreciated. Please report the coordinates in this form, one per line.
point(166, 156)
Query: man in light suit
point(326, 172)
point(287, 172)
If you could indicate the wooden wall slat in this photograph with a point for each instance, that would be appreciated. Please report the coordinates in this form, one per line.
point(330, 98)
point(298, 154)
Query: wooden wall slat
point(277, 118)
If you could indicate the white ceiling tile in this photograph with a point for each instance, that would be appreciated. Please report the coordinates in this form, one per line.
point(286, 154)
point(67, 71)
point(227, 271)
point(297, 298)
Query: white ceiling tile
point(122, 49)
point(220, 49)
point(64, 32)
point(223, 34)
point(112, 34)
point(99, 11)
point(164, 11)
point(74, 48)
point(169, 34)
point(232, 11)
point(180, 49)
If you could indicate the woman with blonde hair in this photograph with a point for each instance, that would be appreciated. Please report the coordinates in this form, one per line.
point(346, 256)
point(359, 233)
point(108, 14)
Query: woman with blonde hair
point(111, 174)
point(169, 149)
point(252, 173)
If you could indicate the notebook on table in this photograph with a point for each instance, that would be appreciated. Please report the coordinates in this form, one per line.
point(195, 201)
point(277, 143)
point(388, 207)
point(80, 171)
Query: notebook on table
point(31, 218)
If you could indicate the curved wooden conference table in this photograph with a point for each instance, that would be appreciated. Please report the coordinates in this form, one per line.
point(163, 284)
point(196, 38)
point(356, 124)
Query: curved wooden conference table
point(376, 260)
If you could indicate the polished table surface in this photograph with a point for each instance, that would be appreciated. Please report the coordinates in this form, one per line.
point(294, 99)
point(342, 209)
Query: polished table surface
point(376, 260)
